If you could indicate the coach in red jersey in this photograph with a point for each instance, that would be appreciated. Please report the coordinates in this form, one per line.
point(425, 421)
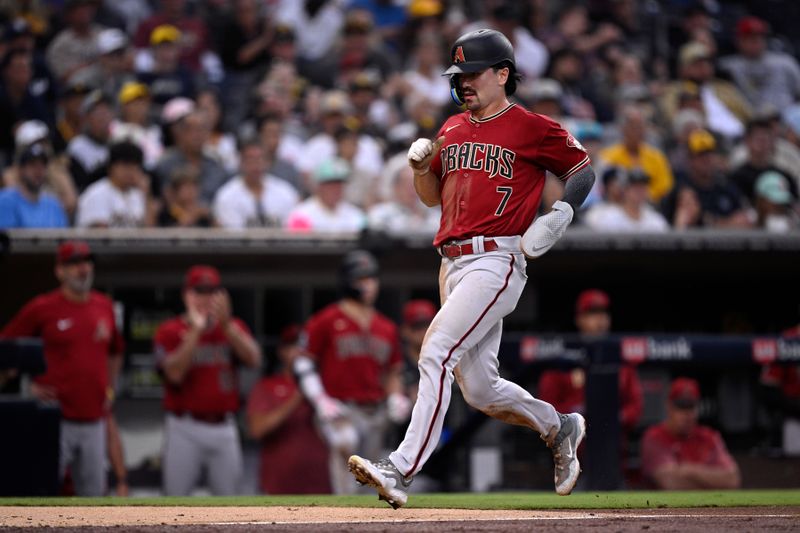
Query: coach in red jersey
point(83, 351)
point(680, 454)
point(487, 170)
point(198, 354)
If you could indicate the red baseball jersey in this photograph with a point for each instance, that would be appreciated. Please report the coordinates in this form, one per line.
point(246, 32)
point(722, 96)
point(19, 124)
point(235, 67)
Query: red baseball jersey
point(78, 339)
point(294, 459)
point(352, 361)
point(211, 386)
point(787, 377)
point(492, 171)
point(566, 391)
point(703, 445)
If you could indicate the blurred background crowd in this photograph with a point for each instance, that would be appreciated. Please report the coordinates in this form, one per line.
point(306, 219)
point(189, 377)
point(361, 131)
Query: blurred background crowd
point(298, 114)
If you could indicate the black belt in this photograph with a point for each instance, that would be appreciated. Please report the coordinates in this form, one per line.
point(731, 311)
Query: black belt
point(453, 250)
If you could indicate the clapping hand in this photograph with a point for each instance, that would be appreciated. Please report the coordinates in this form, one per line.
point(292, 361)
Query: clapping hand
point(221, 306)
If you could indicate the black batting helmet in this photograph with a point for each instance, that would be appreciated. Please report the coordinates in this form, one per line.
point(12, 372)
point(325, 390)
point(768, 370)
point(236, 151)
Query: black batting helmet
point(476, 51)
point(356, 265)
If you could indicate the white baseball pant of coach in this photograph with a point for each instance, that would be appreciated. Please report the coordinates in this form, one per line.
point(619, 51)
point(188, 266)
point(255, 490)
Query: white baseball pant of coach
point(190, 446)
point(477, 291)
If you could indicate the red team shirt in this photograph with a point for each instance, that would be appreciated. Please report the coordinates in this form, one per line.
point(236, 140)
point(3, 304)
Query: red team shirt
point(78, 338)
point(211, 385)
point(352, 361)
point(294, 459)
point(787, 377)
point(702, 446)
point(566, 391)
point(492, 171)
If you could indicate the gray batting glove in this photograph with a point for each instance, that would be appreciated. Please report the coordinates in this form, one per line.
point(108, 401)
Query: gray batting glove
point(546, 230)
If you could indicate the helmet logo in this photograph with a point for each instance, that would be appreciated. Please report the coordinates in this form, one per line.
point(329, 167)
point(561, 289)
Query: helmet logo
point(458, 55)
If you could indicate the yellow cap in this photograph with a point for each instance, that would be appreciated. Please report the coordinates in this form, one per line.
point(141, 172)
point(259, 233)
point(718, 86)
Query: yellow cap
point(425, 8)
point(166, 33)
point(132, 90)
point(701, 141)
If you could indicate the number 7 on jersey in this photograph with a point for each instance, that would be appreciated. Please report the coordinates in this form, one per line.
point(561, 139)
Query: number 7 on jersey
point(506, 192)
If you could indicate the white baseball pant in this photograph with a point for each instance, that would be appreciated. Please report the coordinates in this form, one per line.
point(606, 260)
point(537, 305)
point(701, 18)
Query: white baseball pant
point(477, 291)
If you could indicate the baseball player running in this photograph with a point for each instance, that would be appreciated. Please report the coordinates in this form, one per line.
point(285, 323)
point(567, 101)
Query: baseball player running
point(486, 169)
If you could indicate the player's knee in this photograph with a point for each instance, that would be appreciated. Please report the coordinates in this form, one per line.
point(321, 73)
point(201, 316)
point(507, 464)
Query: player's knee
point(480, 397)
point(475, 398)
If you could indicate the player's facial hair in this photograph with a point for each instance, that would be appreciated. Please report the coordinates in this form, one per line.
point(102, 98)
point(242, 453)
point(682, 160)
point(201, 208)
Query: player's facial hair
point(79, 284)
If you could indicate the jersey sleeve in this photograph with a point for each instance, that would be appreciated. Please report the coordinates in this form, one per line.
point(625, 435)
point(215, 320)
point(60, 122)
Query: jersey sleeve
point(26, 323)
point(164, 341)
point(261, 399)
point(436, 162)
point(560, 153)
point(720, 456)
point(242, 325)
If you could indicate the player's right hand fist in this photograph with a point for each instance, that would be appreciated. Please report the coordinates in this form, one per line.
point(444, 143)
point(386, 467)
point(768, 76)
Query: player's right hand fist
point(421, 153)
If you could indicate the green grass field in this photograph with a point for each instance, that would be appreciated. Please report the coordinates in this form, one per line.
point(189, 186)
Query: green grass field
point(492, 500)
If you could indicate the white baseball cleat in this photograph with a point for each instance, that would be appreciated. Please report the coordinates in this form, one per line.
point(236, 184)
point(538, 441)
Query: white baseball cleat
point(565, 451)
point(383, 476)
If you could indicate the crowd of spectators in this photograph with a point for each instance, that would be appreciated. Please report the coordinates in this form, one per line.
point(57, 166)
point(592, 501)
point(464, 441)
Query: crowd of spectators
point(298, 114)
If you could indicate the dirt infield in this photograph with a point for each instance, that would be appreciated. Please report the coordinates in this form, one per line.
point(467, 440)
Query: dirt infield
point(242, 519)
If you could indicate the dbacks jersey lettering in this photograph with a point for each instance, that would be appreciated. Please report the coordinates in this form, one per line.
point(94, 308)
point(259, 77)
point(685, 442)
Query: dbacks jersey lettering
point(211, 385)
point(492, 171)
point(352, 361)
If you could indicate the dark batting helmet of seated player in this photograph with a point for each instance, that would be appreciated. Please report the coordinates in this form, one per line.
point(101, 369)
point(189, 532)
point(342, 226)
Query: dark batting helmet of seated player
point(356, 265)
point(477, 51)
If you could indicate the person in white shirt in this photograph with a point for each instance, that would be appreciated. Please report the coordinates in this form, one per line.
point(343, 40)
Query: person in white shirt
point(404, 213)
point(118, 200)
point(316, 23)
point(326, 210)
point(254, 198)
point(424, 76)
point(335, 106)
point(632, 212)
point(135, 123)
